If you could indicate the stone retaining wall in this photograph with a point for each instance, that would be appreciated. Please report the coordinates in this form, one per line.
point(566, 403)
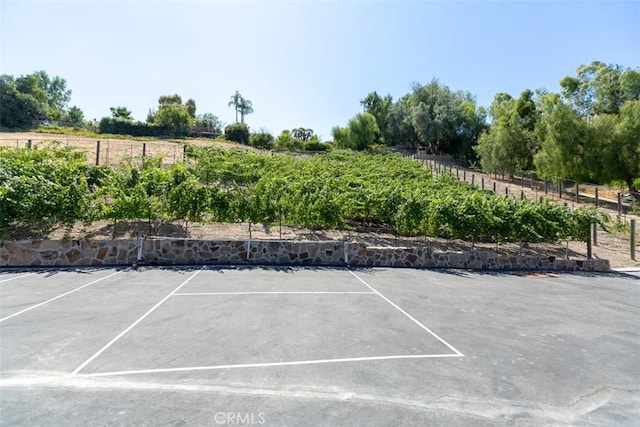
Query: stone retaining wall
point(47, 253)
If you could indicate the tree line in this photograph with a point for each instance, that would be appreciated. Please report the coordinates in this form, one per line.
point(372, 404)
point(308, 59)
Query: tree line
point(588, 131)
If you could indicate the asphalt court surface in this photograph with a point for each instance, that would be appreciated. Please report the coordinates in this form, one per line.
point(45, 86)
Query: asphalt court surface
point(318, 346)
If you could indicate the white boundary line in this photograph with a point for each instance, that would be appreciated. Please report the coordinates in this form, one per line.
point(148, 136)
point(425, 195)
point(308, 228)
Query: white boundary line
point(55, 298)
point(627, 269)
point(408, 315)
point(121, 334)
point(273, 364)
point(188, 294)
point(19, 277)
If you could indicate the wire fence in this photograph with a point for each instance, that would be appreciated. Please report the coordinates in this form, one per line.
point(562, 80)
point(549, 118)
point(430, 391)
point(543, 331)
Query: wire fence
point(111, 152)
point(623, 235)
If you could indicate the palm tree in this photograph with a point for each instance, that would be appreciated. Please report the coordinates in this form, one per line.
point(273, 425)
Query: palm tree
point(244, 108)
point(121, 113)
point(236, 101)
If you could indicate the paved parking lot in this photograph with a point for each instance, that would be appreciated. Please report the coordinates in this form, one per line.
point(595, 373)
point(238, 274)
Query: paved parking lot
point(317, 346)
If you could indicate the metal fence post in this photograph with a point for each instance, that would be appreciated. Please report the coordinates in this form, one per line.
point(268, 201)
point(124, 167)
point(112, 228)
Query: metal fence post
point(633, 239)
point(577, 192)
point(597, 198)
point(595, 234)
point(97, 152)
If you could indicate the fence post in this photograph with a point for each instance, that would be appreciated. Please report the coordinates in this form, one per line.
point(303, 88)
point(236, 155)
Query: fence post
point(633, 239)
point(577, 192)
point(560, 188)
point(97, 152)
point(457, 173)
point(546, 186)
point(521, 194)
point(589, 249)
point(464, 175)
point(494, 187)
point(506, 190)
point(595, 234)
point(482, 181)
point(473, 178)
point(144, 149)
point(29, 144)
point(619, 203)
point(597, 198)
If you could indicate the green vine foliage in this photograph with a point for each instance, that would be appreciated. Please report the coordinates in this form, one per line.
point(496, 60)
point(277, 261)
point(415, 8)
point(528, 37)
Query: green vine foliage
point(51, 186)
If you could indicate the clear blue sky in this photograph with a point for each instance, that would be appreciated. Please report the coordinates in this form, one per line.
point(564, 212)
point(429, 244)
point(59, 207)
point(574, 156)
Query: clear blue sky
point(306, 63)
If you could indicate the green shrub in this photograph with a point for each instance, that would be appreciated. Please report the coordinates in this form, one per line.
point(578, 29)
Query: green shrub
point(262, 140)
point(238, 132)
point(127, 127)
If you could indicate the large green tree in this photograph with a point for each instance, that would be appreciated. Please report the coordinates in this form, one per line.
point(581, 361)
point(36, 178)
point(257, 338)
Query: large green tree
point(34, 98)
point(510, 143)
point(625, 149)
point(17, 109)
point(599, 88)
point(360, 133)
point(380, 107)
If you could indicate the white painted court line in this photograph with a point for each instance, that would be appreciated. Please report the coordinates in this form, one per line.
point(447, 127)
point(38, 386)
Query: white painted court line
point(121, 334)
point(59, 296)
point(627, 269)
point(408, 315)
point(188, 294)
point(273, 364)
point(18, 277)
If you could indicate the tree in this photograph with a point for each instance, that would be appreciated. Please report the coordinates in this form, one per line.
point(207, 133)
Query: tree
point(191, 107)
point(170, 99)
point(262, 140)
point(380, 108)
point(510, 143)
point(244, 108)
point(121, 113)
point(359, 134)
point(173, 116)
point(302, 134)
point(599, 88)
point(399, 123)
point(287, 142)
point(75, 117)
point(625, 150)
point(564, 141)
point(236, 101)
point(209, 121)
point(19, 110)
point(238, 132)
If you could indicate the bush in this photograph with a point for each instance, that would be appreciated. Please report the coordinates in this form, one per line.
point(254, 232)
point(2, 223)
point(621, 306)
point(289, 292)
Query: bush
point(262, 140)
point(286, 142)
point(315, 145)
point(238, 132)
point(127, 127)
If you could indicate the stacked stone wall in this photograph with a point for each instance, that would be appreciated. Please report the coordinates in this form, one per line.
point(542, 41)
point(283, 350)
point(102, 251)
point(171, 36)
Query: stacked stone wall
point(50, 253)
